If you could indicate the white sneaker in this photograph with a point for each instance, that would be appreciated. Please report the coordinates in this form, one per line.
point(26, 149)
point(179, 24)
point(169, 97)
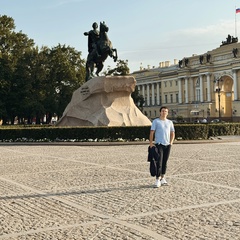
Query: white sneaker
point(163, 181)
point(157, 183)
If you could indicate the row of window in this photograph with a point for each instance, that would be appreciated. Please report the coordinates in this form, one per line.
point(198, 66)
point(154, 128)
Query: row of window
point(165, 84)
point(160, 99)
point(171, 98)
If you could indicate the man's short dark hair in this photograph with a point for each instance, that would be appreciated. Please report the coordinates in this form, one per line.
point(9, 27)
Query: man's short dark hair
point(163, 107)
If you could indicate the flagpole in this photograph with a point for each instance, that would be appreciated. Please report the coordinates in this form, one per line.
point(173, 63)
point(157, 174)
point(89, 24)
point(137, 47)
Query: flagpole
point(235, 22)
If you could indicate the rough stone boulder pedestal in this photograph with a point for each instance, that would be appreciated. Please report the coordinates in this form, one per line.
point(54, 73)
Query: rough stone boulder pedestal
point(104, 101)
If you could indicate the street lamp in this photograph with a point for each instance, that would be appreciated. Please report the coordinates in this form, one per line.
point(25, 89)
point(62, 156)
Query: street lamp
point(218, 91)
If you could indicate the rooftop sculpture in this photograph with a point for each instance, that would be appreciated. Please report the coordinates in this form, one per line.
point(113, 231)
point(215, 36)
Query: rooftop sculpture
point(230, 39)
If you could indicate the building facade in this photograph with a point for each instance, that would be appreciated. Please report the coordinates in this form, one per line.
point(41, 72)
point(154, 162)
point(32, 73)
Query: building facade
point(203, 86)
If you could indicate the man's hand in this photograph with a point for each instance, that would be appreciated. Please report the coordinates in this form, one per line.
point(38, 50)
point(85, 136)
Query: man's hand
point(151, 138)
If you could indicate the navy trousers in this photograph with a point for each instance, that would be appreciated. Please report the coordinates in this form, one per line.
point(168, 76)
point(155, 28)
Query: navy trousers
point(164, 152)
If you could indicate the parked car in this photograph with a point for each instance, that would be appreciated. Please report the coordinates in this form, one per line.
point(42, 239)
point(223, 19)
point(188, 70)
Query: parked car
point(217, 120)
point(204, 120)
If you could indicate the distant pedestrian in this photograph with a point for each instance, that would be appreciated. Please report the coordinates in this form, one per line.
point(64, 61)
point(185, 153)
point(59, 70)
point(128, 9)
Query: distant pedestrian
point(162, 130)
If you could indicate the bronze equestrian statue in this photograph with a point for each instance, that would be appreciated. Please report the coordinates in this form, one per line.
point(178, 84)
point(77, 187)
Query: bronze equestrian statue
point(99, 48)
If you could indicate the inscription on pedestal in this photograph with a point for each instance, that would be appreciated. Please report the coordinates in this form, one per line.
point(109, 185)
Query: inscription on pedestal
point(84, 91)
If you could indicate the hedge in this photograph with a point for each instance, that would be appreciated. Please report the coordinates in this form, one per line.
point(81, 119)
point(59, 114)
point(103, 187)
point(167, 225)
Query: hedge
point(18, 133)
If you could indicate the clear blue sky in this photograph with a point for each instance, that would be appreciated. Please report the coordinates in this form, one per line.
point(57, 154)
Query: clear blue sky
point(143, 31)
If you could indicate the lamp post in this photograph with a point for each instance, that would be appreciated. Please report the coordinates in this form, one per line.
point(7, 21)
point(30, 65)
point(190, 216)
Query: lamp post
point(218, 91)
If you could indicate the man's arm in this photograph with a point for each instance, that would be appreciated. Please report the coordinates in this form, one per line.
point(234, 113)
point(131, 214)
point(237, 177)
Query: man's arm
point(172, 136)
point(151, 136)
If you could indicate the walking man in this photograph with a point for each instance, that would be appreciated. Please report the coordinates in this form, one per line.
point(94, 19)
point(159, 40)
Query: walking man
point(162, 130)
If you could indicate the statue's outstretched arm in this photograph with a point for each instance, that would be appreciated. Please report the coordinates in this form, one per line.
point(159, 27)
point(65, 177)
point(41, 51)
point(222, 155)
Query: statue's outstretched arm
point(86, 33)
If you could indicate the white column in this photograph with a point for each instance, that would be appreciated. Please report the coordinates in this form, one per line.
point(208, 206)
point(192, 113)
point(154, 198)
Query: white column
point(179, 90)
point(148, 95)
point(153, 95)
point(143, 93)
point(235, 85)
point(201, 88)
point(186, 90)
point(208, 88)
point(158, 95)
point(191, 90)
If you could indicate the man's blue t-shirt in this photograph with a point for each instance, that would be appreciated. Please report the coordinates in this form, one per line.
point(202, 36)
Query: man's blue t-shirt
point(162, 130)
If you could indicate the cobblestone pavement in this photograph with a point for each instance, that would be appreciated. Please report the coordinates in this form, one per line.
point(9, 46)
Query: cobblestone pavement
point(106, 192)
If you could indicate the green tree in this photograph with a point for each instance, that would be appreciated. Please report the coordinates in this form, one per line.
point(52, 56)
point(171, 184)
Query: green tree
point(66, 73)
point(121, 69)
point(5, 77)
point(29, 78)
point(34, 82)
point(21, 77)
point(6, 68)
point(13, 45)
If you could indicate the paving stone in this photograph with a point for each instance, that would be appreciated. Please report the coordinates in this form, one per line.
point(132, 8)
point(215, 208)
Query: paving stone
point(73, 191)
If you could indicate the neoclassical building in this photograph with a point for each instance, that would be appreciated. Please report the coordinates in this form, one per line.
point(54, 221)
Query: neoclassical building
point(201, 86)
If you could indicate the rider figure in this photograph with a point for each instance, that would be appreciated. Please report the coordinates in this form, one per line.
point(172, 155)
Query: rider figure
point(93, 37)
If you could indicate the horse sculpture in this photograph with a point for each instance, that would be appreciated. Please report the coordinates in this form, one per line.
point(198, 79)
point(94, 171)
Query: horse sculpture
point(104, 49)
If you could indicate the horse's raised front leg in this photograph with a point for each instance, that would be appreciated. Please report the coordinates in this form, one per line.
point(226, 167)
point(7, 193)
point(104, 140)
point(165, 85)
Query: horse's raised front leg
point(114, 56)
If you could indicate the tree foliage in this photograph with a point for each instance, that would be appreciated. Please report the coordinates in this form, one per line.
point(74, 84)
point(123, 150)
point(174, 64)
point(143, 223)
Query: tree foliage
point(121, 69)
point(35, 82)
